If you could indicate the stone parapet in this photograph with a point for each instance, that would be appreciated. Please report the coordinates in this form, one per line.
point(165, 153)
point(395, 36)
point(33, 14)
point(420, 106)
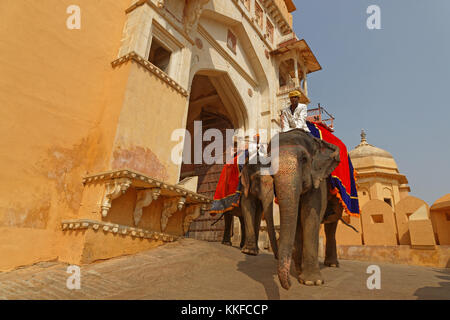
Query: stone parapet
point(438, 256)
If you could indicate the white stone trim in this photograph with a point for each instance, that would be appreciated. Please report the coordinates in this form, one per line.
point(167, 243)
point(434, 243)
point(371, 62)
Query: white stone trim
point(82, 224)
point(210, 39)
point(142, 181)
point(134, 57)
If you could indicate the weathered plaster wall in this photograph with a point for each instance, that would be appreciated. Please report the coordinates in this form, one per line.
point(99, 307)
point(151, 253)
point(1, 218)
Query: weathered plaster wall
point(60, 100)
point(152, 110)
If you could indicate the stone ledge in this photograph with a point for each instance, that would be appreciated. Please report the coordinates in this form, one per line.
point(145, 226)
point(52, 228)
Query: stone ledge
point(81, 224)
point(142, 181)
point(134, 57)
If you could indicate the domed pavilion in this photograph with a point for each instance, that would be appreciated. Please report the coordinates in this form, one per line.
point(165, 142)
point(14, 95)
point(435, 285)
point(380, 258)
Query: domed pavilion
point(377, 174)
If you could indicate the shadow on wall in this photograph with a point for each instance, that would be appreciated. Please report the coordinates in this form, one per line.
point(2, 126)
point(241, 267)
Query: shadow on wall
point(436, 293)
point(262, 268)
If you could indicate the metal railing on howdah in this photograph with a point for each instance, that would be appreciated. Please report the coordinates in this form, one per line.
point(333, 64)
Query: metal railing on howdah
point(319, 114)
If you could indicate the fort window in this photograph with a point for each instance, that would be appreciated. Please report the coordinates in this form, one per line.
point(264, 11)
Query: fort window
point(388, 201)
point(447, 216)
point(270, 30)
point(159, 55)
point(377, 218)
point(286, 76)
point(259, 15)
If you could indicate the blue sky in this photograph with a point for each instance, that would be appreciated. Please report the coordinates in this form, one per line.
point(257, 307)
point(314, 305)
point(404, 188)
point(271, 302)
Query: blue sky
point(393, 82)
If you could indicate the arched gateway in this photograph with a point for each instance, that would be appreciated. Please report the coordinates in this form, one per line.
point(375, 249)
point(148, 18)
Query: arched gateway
point(214, 103)
point(106, 182)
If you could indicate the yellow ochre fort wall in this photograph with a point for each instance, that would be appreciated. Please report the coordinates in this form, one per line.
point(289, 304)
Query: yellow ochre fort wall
point(61, 110)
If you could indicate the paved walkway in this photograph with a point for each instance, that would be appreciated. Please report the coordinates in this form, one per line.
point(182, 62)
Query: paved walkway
point(191, 269)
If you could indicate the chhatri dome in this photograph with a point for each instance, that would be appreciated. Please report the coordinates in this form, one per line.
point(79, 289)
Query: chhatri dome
point(378, 176)
point(367, 150)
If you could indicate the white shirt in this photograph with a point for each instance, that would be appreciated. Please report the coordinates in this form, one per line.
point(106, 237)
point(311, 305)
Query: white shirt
point(297, 120)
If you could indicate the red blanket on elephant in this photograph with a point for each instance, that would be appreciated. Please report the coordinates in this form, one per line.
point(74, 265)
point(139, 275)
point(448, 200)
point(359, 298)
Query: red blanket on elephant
point(228, 190)
point(343, 182)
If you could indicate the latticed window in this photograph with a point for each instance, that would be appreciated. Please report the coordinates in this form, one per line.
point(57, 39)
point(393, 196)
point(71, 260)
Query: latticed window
point(259, 15)
point(270, 30)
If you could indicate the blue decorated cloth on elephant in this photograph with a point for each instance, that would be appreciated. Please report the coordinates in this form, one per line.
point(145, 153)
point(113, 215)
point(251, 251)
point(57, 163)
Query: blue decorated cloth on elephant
point(343, 182)
point(228, 190)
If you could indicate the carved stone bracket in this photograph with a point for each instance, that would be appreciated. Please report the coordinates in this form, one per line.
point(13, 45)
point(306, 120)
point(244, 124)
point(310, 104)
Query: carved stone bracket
point(114, 190)
point(170, 206)
point(144, 199)
point(192, 12)
point(192, 213)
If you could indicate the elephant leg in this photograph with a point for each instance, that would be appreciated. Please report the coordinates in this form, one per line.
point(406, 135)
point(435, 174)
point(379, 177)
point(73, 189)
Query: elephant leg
point(228, 225)
point(268, 214)
point(313, 209)
point(331, 259)
point(248, 209)
point(241, 220)
point(257, 226)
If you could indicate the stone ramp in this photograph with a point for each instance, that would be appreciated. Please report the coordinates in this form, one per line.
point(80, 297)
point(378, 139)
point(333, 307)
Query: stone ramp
point(192, 269)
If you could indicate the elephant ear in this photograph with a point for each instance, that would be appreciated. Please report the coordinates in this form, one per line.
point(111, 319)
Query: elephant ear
point(245, 180)
point(325, 159)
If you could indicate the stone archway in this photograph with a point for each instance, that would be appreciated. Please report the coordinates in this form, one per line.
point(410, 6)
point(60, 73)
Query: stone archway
point(215, 102)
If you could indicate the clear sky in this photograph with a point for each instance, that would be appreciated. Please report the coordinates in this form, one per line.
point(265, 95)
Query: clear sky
point(393, 82)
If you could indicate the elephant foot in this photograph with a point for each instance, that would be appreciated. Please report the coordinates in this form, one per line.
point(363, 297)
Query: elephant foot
point(331, 263)
point(250, 251)
point(311, 279)
point(227, 243)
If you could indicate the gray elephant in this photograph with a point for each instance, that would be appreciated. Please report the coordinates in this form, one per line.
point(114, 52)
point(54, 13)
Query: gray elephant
point(251, 212)
point(302, 189)
point(256, 200)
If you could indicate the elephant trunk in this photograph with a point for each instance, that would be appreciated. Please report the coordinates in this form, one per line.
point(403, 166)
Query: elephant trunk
point(287, 233)
point(288, 189)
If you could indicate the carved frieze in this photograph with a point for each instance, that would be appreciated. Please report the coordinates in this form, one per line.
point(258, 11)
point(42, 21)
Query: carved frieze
point(134, 57)
point(72, 225)
point(117, 182)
